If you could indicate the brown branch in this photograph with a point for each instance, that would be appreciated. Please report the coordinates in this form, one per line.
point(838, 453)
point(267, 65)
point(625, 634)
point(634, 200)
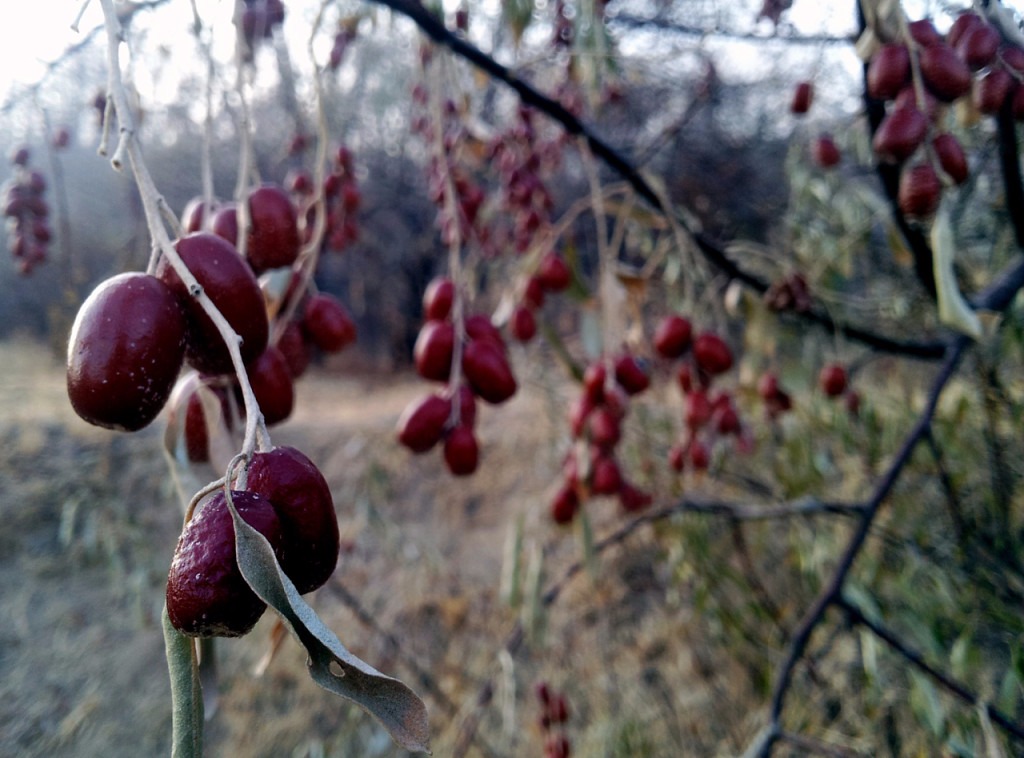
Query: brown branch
point(1009, 163)
point(949, 683)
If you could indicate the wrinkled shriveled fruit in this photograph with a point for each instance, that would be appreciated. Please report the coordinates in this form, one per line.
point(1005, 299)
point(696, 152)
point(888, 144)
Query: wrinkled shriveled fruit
point(229, 283)
point(302, 499)
point(273, 240)
point(206, 594)
point(125, 351)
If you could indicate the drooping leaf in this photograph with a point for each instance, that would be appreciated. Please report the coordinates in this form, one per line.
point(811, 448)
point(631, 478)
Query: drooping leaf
point(330, 664)
point(186, 693)
point(953, 309)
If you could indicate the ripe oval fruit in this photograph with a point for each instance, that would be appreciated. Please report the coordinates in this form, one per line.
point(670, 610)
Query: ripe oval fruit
point(231, 286)
point(225, 223)
point(979, 45)
point(272, 385)
point(888, 71)
point(924, 32)
point(438, 298)
point(125, 351)
point(712, 354)
point(919, 190)
point(900, 134)
point(273, 239)
point(327, 323)
point(302, 499)
point(461, 451)
point(293, 347)
point(951, 156)
point(672, 336)
point(422, 423)
point(206, 594)
point(631, 374)
point(698, 410)
point(433, 351)
point(553, 272)
point(487, 371)
point(832, 380)
point(826, 152)
point(944, 73)
point(605, 477)
point(524, 324)
point(803, 96)
point(991, 91)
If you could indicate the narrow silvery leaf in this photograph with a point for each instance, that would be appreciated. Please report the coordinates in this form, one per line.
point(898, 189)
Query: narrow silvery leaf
point(330, 664)
point(186, 693)
point(953, 309)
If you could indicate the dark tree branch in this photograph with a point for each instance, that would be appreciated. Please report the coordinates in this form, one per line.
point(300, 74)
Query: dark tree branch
point(952, 685)
point(1009, 163)
point(639, 22)
point(713, 250)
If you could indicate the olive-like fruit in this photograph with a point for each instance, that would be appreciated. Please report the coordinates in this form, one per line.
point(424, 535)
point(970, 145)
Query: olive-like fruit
point(327, 323)
point(125, 351)
point(309, 525)
point(231, 286)
point(273, 240)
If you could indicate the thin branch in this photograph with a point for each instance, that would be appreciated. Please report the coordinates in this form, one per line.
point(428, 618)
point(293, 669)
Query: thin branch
point(639, 22)
point(949, 683)
point(1009, 163)
point(713, 250)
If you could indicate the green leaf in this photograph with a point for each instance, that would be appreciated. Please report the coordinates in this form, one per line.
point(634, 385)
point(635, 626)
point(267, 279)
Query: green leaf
point(953, 309)
point(924, 701)
point(330, 665)
point(186, 693)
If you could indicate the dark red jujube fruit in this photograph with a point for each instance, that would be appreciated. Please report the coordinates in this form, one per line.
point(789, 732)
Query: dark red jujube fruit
point(273, 240)
point(327, 323)
point(438, 298)
point(487, 371)
point(422, 423)
point(433, 351)
point(229, 283)
point(125, 351)
point(206, 593)
point(272, 384)
point(672, 336)
point(309, 525)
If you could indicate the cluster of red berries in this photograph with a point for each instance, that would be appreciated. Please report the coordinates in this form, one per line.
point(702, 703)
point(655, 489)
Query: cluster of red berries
point(707, 415)
point(341, 201)
point(288, 501)
point(485, 370)
point(595, 419)
point(553, 719)
point(835, 383)
point(258, 20)
point(28, 233)
point(551, 277)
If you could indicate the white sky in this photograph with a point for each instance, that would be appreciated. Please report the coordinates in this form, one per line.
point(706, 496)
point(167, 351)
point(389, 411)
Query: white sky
point(39, 31)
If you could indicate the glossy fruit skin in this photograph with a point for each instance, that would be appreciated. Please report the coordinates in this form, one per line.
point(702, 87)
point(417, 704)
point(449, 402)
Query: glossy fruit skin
point(945, 75)
point(991, 91)
point(327, 323)
point(951, 157)
point(978, 47)
point(125, 351)
point(487, 371)
point(273, 240)
point(309, 525)
point(461, 451)
point(293, 346)
point(712, 354)
point(433, 350)
point(231, 286)
point(272, 384)
point(422, 423)
point(553, 273)
point(206, 594)
point(672, 336)
point(225, 223)
point(631, 374)
point(524, 324)
point(438, 299)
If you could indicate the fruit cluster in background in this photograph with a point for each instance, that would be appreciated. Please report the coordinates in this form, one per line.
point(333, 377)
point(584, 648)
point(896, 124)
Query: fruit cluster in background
point(26, 209)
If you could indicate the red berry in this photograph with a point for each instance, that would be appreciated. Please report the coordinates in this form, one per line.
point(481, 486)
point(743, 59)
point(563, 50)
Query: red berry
point(423, 421)
point(231, 286)
point(461, 452)
point(302, 499)
point(327, 323)
point(826, 152)
point(888, 71)
point(978, 46)
point(700, 456)
point(712, 354)
point(924, 33)
point(951, 156)
point(272, 385)
point(533, 294)
point(565, 505)
point(433, 351)
point(698, 410)
point(900, 134)
point(803, 96)
point(605, 428)
point(293, 346)
point(672, 336)
point(125, 352)
point(768, 385)
point(833, 380)
point(605, 478)
point(488, 372)
point(632, 499)
point(991, 91)
point(919, 191)
point(945, 75)
point(273, 240)
point(479, 327)
point(206, 593)
point(225, 223)
point(524, 324)
point(631, 374)
point(553, 273)
point(438, 298)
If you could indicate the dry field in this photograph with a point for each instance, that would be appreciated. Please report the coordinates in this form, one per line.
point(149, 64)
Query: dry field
point(90, 522)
